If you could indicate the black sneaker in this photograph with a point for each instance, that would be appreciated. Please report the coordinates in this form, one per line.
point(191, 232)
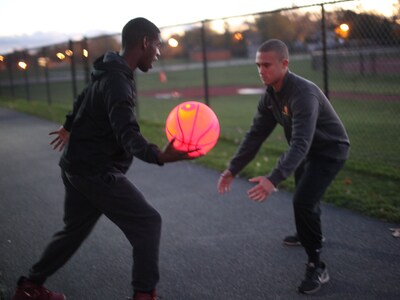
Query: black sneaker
point(293, 240)
point(315, 278)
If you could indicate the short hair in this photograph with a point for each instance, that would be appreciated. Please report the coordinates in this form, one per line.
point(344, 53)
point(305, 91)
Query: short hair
point(276, 46)
point(136, 29)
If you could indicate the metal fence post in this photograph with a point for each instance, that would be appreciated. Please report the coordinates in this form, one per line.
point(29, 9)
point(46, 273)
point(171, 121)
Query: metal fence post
point(362, 64)
point(324, 56)
point(46, 75)
point(205, 68)
point(73, 70)
point(86, 59)
point(28, 94)
point(9, 65)
point(2, 58)
point(25, 71)
point(372, 56)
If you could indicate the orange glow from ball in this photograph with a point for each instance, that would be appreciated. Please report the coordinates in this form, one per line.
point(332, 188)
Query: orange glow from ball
point(195, 127)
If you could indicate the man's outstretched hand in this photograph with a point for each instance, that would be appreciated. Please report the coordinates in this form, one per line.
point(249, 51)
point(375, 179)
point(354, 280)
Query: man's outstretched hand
point(224, 182)
point(263, 188)
point(61, 139)
point(170, 154)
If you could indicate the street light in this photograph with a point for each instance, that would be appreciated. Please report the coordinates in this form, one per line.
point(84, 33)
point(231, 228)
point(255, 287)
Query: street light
point(24, 67)
point(343, 30)
point(238, 36)
point(42, 61)
point(173, 42)
point(1, 67)
point(69, 52)
point(344, 27)
point(60, 56)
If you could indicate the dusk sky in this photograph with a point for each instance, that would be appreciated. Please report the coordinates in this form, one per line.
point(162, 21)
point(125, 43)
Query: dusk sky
point(27, 23)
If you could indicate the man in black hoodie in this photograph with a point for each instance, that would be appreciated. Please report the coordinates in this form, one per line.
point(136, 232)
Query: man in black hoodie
point(101, 136)
point(318, 148)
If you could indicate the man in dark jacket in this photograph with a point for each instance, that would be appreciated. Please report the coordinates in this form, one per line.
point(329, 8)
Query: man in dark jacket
point(101, 136)
point(318, 148)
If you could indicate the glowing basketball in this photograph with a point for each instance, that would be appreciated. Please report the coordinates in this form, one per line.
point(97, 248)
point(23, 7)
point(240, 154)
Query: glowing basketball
point(194, 126)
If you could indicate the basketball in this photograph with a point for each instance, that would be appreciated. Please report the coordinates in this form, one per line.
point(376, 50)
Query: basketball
point(195, 127)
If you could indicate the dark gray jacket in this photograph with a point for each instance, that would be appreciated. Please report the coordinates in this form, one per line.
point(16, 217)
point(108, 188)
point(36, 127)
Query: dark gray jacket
point(105, 134)
point(311, 125)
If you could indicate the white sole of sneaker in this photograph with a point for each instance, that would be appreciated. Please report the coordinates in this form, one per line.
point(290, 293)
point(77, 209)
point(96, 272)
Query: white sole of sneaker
point(292, 244)
point(322, 280)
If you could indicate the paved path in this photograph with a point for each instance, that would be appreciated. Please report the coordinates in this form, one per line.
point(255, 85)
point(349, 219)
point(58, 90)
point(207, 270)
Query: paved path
point(213, 247)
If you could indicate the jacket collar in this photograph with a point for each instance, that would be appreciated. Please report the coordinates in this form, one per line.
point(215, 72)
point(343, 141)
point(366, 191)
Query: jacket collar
point(285, 85)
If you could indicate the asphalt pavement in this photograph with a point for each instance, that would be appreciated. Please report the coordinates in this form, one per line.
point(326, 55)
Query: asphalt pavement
point(213, 247)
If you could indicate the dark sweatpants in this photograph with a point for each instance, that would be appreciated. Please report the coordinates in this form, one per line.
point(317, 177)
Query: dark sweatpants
point(312, 179)
point(111, 194)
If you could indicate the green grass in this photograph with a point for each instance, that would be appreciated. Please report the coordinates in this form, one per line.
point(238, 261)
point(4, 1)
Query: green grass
point(55, 112)
point(361, 186)
point(370, 180)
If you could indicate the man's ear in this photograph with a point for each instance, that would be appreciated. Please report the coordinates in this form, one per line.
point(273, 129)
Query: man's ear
point(145, 43)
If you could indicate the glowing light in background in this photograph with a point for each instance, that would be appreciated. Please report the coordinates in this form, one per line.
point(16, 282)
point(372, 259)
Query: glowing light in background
point(343, 30)
point(69, 52)
point(60, 56)
point(23, 65)
point(344, 27)
point(218, 26)
point(167, 33)
point(42, 61)
point(173, 42)
point(85, 53)
point(238, 36)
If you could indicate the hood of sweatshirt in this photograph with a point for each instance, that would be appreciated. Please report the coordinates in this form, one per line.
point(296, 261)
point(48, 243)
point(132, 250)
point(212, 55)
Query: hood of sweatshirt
point(110, 62)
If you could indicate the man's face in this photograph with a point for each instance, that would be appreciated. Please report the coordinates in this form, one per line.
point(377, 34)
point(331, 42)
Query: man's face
point(271, 67)
point(151, 53)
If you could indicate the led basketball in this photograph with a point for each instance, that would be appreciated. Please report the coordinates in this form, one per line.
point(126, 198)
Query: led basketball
point(194, 126)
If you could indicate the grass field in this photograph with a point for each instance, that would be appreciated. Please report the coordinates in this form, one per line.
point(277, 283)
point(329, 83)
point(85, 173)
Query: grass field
point(370, 181)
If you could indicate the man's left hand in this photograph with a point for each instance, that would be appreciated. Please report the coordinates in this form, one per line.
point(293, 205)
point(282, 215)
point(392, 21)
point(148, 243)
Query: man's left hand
point(61, 139)
point(262, 190)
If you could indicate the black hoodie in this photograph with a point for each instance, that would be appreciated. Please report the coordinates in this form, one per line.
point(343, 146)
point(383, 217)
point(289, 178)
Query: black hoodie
point(104, 132)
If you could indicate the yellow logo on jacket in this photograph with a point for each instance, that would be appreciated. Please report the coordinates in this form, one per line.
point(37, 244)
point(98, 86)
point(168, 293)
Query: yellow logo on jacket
point(285, 111)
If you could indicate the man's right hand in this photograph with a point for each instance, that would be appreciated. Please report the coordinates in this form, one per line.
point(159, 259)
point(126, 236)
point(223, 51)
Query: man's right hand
point(170, 154)
point(224, 182)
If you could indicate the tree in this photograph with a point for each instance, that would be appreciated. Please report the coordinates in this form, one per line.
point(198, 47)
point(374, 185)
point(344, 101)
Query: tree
point(276, 25)
point(368, 27)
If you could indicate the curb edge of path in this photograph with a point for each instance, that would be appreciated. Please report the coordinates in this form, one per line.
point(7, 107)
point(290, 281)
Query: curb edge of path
point(2, 288)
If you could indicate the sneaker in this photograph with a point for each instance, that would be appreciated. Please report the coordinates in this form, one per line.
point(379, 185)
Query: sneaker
point(27, 290)
point(315, 278)
point(144, 296)
point(293, 240)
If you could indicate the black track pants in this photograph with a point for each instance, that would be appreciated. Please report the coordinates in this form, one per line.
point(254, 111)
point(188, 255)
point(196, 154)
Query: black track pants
point(111, 194)
point(312, 178)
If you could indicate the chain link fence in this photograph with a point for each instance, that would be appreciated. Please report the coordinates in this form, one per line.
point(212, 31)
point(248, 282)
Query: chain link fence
point(353, 55)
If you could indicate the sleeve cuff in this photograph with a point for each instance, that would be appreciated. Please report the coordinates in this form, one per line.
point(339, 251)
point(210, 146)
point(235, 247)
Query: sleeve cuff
point(276, 177)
